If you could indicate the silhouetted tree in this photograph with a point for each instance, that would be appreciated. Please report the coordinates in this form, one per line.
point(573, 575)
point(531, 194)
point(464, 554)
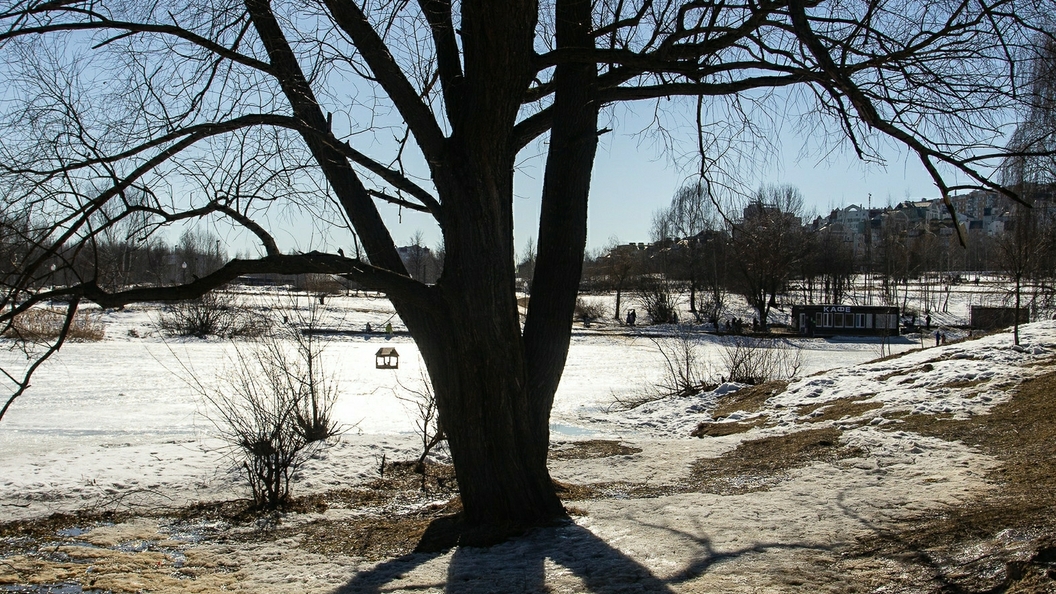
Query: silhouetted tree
point(237, 112)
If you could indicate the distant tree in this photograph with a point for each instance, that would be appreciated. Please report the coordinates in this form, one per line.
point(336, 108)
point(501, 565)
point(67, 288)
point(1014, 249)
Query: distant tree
point(198, 254)
point(891, 257)
point(767, 246)
point(526, 265)
point(689, 230)
point(1024, 251)
point(1031, 162)
point(621, 264)
point(420, 261)
point(828, 263)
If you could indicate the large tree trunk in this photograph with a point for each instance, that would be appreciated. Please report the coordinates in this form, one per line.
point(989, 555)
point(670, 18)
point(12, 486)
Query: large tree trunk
point(477, 366)
point(494, 386)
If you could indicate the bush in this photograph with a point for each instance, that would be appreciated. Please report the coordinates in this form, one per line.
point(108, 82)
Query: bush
point(658, 302)
point(276, 405)
point(589, 311)
point(686, 373)
point(749, 360)
point(272, 409)
point(42, 324)
point(427, 419)
point(212, 314)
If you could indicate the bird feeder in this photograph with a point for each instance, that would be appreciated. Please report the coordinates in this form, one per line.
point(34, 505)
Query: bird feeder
point(387, 358)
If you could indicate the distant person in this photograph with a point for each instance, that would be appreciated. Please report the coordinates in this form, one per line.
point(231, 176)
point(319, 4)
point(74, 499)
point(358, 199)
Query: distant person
point(388, 331)
point(938, 335)
point(943, 337)
point(927, 322)
point(369, 330)
point(632, 316)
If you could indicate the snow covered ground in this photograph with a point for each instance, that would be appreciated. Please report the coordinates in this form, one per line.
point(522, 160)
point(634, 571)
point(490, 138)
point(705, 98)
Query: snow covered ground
point(114, 425)
point(121, 418)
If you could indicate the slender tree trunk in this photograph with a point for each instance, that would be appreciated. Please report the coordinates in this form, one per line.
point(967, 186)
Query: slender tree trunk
point(1015, 324)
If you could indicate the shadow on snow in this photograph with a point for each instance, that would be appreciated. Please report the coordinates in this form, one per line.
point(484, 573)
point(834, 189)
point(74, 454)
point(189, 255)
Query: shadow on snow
point(520, 565)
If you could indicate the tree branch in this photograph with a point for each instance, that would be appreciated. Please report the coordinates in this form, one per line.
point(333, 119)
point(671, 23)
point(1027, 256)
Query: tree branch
point(449, 65)
point(311, 263)
point(100, 22)
point(387, 72)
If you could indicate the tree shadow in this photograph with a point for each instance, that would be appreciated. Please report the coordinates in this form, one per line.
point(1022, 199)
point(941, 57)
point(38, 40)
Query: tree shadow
point(567, 553)
point(892, 544)
point(709, 557)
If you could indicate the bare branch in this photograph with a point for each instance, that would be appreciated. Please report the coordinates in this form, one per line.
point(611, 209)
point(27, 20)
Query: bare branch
point(423, 125)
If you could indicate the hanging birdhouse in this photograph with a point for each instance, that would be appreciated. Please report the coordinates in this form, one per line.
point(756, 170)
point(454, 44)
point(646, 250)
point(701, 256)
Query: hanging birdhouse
point(387, 358)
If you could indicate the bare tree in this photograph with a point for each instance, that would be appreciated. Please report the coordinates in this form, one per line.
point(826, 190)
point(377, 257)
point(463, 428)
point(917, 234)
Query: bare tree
point(526, 263)
point(1023, 251)
point(768, 245)
point(693, 222)
point(228, 112)
point(620, 263)
point(1026, 249)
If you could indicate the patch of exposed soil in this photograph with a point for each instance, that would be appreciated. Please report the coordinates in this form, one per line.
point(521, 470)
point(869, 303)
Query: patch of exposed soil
point(750, 399)
point(369, 536)
point(755, 465)
point(710, 429)
point(591, 448)
point(760, 464)
point(147, 553)
point(840, 408)
point(1005, 540)
point(926, 367)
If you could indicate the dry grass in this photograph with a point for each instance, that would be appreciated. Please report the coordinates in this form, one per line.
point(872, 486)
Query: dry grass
point(41, 324)
point(962, 384)
point(759, 464)
point(708, 429)
point(591, 448)
point(1005, 540)
point(750, 399)
point(923, 368)
point(840, 408)
point(755, 465)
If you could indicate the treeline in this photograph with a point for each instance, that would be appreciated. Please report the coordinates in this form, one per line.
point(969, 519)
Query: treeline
point(112, 258)
point(761, 249)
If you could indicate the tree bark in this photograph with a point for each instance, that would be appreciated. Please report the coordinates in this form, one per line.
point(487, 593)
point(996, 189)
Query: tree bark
point(494, 385)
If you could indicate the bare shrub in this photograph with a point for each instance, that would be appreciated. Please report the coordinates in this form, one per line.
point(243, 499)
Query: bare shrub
point(314, 389)
point(753, 361)
point(41, 324)
point(686, 371)
point(276, 405)
point(589, 311)
point(427, 419)
point(214, 314)
point(658, 302)
point(256, 415)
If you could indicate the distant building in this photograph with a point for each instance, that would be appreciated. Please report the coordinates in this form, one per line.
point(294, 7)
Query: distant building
point(845, 320)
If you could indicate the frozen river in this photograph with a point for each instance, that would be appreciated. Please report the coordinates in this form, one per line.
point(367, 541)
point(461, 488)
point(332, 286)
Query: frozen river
point(131, 391)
